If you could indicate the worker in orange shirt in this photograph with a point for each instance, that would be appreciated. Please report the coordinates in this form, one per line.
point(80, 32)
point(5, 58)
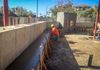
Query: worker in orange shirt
point(54, 33)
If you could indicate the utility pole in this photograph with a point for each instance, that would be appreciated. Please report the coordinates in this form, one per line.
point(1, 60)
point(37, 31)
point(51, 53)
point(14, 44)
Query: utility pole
point(37, 10)
point(5, 12)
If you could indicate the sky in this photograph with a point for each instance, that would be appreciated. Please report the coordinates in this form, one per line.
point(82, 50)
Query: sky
point(44, 4)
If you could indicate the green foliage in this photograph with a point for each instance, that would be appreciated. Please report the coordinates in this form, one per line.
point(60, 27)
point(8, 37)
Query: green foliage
point(54, 11)
point(19, 11)
point(64, 8)
point(88, 12)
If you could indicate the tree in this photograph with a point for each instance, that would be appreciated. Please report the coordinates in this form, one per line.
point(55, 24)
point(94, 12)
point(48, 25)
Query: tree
point(19, 11)
point(31, 14)
point(54, 11)
point(65, 8)
point(85, 6)
point(62, 8)
point(95, 8)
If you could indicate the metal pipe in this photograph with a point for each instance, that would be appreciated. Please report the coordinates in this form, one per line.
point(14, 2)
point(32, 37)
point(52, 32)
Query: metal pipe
point(5, 12)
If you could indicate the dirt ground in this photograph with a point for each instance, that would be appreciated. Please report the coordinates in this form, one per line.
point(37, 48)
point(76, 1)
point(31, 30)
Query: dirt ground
point(61, 57)
point(86, 51)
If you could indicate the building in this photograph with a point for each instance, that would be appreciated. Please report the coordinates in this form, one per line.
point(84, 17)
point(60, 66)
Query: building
point(68, 20)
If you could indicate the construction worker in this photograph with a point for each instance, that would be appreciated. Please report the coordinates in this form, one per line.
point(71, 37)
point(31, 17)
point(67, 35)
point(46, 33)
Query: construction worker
point(54, 33)
point(59, 26)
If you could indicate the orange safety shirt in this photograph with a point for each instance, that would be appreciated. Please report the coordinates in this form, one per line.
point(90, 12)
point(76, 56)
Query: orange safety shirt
point(55, 31)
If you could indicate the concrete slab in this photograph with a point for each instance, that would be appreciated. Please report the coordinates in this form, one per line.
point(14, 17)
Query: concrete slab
point(96, 60)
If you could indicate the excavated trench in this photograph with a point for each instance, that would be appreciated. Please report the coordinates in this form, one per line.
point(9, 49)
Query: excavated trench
point(61, 57)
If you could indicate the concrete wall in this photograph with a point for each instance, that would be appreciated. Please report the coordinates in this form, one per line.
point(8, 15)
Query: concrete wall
point(15, 40)
point(68, 20)
point(60, 18)
point(19, 20)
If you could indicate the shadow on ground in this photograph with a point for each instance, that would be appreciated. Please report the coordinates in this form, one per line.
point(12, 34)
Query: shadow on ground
point(86, 57)
point(89, 65)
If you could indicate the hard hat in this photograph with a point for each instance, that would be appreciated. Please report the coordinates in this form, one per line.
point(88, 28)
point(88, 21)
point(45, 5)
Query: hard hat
point(52, 25)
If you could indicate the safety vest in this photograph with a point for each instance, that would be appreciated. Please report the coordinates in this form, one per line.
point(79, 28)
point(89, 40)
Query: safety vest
point(55, 31)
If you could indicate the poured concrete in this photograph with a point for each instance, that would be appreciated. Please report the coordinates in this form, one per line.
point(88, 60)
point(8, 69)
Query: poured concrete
point(29, 59)
point(13, 41)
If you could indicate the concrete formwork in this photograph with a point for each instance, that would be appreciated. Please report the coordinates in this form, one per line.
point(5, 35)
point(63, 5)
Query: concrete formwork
point(14, 42)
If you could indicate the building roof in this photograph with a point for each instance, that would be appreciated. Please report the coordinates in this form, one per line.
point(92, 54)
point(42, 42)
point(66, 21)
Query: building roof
point(81, 6)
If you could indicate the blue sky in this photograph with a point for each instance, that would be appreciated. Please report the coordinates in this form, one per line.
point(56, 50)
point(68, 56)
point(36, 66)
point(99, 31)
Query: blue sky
point(44, 4)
